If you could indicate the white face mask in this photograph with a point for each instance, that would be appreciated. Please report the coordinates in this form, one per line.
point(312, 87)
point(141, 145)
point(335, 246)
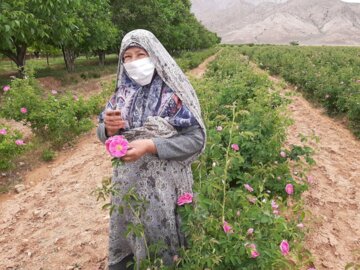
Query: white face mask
point(141, 71)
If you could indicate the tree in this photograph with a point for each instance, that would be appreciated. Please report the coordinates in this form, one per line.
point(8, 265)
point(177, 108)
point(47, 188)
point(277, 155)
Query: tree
point(19, 29)
point(170, 20)
point(102, 33)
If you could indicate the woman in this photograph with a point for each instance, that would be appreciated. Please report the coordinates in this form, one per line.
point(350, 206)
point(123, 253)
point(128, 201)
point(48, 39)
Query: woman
point(161, 118)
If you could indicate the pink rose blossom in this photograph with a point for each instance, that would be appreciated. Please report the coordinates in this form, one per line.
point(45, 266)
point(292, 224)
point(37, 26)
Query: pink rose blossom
point(235, 147)
point(248, 188)
point(227, 228)
point(300, 225)
point(219, 128)
point(117, 146)
point(250, 231)
point(6, 88)
point(274, 205)
point(283, 154)
point(23, 110)
point(252, 199)
point(3, 131)
point(185, 199)
point(54, 92)
point(19, 142)
point(254, 254)
point(289, 188)
point(175, 258)
point(284, 247)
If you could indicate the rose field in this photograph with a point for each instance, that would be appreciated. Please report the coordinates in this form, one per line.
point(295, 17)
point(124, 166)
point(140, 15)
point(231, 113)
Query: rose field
point(276, 187)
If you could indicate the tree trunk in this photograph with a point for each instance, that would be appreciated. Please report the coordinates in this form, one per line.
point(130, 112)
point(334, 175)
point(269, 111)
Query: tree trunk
point(101, 55)
point(18, 58)
point(69, 58)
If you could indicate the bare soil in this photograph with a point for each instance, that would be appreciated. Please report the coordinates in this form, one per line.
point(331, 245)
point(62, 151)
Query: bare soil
point(57, 224)
point(333, 198)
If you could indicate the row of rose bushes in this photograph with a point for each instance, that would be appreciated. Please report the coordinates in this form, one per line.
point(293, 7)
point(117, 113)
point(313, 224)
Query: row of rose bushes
point(246, 211)
point(189, 60)
point(57, 116)
point(328, 75)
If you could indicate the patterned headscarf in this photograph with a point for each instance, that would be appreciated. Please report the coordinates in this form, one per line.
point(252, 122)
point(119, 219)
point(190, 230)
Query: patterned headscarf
point(167, 71)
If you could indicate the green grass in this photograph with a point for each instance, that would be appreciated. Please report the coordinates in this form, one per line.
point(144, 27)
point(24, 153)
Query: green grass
point(85, 68)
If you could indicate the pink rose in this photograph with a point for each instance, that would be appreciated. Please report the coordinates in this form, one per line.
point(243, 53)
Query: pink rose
point(235, 147)
point(248, 188)
point(6, 88)
point(254, 254)
point(117, 146)
point(175, 258)
point(19, 142)
point(289, 188)
point(252, 199)
point(227, 228)
point(23, 110)
point(54, 92)
point(185, 199)
point(219, 128)
point(300, 225)
point(250, 231)
point(274, 205)
point(3, 131)
point(283, 154)
point(284, 247)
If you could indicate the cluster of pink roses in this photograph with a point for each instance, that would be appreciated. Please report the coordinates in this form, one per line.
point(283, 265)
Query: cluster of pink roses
point(3, 131)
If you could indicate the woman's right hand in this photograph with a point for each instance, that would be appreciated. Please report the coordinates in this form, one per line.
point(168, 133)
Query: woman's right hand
point(113, 122)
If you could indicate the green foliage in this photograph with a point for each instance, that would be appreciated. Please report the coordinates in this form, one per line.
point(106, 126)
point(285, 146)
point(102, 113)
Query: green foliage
point(191, 59)
point(48, 155)
point(238, 100)
point(171, 21)
point(328, 75)
point(56, 118)
point(9, 150)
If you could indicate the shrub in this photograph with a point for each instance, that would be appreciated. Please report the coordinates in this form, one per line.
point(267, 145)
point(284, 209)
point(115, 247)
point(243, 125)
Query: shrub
point(10, 147)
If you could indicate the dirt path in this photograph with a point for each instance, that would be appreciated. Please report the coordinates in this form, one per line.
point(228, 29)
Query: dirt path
point(333, 198)
point(55, 223)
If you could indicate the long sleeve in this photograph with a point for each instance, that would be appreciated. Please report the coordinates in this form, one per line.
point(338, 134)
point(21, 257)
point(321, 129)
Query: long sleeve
point(181, 146)
point(101, 133)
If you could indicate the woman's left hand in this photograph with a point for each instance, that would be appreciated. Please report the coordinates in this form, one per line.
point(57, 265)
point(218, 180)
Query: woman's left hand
point(138, 148)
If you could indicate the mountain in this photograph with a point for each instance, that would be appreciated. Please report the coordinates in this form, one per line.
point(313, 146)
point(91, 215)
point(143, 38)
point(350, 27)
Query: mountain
point(312, 22)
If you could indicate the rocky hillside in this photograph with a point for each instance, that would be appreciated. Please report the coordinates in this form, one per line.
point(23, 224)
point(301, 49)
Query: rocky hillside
point(328, 22)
